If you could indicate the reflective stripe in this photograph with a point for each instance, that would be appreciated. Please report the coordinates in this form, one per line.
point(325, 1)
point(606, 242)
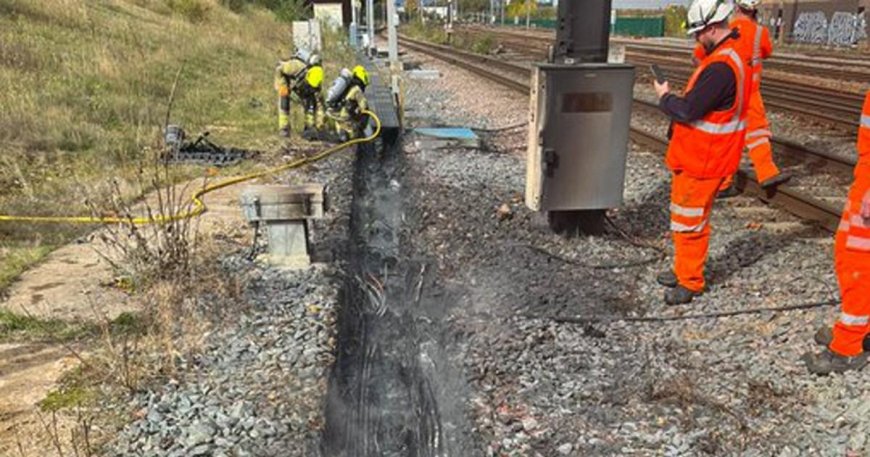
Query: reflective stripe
point(756, 46)
point(759, 132)
point(679, 227)
point(720, 129)
point(844, 226)
point(865, 120)
point(757, 143)
point(854, 242)
point(857, 221)
point(741, 76)
point(851, 319)
point(685, 211)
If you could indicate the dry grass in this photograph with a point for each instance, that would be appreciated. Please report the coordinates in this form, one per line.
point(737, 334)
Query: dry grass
point(84, 84)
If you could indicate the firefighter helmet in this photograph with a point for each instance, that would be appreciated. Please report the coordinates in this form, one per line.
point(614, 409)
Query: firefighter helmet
point(361, 74)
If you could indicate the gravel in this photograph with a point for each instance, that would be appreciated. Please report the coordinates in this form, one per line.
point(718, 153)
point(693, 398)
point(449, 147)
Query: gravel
point(731, 386)
point(257, 387)
point(526, 384)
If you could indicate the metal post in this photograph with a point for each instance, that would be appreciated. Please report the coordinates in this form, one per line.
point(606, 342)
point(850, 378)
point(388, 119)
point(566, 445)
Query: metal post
point(393, 40)
point(370, 24)
point(583, 31)
point(528, 14)
point(501, 3)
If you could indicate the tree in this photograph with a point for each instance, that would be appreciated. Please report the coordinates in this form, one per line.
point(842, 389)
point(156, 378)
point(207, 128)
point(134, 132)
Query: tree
point(473, 6)
point(521, 7)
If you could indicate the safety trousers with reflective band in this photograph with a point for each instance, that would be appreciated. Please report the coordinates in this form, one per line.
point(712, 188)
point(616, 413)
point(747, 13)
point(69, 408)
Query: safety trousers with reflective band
point(852, 263)
point(758, 139)
point(758, 142)
point(283, 109)
point(691, 202)
point(315, 116)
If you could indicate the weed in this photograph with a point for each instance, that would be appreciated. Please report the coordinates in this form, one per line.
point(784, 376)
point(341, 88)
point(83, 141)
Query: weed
point(65, 397)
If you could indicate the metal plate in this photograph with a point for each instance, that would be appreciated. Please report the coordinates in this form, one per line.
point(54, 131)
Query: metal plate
point(579, 139)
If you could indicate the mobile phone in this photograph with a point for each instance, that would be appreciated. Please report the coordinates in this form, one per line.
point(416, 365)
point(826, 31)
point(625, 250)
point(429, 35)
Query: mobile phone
point(658, 73)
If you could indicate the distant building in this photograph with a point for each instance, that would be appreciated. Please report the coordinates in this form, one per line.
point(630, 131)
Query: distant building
point(331, 6)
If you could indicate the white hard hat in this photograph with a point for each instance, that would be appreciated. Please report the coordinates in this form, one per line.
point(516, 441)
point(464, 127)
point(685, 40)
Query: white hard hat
point(706, 12)
point(315, 59)
point(748, 4)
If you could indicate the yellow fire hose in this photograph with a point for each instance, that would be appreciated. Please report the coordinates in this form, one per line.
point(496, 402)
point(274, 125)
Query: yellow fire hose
point(198, 205)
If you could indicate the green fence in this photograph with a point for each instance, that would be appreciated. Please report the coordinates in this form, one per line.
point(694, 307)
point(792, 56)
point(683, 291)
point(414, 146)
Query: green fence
point(640, 26)
point(627, 25)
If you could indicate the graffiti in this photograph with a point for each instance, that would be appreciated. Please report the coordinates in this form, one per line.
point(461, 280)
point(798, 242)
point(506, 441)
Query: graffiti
point(845, 29)
point(811, 27)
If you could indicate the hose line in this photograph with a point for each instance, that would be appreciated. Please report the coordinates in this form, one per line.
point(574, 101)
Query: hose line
point(198, 206)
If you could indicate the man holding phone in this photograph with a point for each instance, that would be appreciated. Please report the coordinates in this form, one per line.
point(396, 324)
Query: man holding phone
point(708, 136)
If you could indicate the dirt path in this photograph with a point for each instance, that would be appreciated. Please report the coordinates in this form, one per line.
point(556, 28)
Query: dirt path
point(71, 285)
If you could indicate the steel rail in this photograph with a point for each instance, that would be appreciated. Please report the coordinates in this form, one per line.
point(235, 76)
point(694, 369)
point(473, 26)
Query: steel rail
point(824, 105)
point(845, 68)
point(784, 197)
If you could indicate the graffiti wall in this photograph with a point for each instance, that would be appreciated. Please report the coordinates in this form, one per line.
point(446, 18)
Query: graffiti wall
point(843, 29)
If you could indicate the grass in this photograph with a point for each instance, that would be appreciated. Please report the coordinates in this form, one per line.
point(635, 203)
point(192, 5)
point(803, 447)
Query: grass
point(16, 327)
point(66, 397)
point(84, 84)
point(18, 257)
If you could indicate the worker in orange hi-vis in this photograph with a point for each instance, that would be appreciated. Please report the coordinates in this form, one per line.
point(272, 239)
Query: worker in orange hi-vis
point(754, 46)
point(845, 342)
point(707, 138)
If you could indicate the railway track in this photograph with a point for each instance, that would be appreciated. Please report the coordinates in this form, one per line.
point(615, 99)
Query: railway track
point(842, 68)
point(837, 108)
point(789, 199)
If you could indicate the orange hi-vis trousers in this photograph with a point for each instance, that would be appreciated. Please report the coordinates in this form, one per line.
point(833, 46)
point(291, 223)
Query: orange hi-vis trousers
point(691, 202)
point(852, 263)
point(758, 141)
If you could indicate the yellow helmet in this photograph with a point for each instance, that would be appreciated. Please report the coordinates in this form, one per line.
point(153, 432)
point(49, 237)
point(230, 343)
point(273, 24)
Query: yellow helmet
point(361, 74)
point(314, 77)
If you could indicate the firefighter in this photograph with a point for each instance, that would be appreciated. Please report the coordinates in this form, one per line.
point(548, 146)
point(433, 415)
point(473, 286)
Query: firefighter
point(845, 343)
point(346, 102)
point(707, 138)
point(301, 75)
point(754, 46)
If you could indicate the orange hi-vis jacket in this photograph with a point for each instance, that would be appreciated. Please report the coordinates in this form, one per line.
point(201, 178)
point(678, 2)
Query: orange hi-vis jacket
point(753, 45)
point(711, 146)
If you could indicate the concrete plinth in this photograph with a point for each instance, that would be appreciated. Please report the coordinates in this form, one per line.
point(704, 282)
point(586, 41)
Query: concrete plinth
point(284, 212)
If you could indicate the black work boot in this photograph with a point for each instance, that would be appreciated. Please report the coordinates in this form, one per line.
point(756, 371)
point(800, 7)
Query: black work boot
point(825, 335)
point(310, 134)
point(827, 362)
point(667, 278)
point(679, 295)
point(731, 191)
point(781, 178)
